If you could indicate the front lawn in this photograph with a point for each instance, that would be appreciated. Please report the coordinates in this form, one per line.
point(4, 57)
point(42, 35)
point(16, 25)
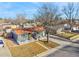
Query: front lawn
point(49, 44)
point(27, 50)
point(66, 34)
point(75, 37)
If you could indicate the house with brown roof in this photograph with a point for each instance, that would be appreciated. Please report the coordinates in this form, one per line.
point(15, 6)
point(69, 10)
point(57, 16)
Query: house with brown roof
point(24, 34)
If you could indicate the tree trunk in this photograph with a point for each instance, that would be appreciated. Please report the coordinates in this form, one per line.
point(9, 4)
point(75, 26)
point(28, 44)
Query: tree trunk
point(47, 34)
point(47, 37)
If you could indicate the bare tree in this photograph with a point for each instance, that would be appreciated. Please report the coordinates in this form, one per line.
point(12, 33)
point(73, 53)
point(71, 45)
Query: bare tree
point(71, 11)
point(20, 19)
point(47, 12)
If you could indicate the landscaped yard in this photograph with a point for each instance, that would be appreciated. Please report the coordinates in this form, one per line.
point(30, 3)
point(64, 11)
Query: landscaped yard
point(66, 34)
point(74, 37)
point(10, 43)
point(49, 44)
point(27, 50)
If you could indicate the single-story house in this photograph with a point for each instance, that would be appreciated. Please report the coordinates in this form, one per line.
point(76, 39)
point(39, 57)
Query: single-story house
point(23, 34)
point(28, 33)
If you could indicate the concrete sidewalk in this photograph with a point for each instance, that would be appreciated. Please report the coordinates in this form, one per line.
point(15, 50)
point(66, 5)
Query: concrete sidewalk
point(52, 52)
point(4, 51)
point(62, 42)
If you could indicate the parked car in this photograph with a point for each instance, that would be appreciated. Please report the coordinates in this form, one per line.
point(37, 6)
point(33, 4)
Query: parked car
point(1, 43)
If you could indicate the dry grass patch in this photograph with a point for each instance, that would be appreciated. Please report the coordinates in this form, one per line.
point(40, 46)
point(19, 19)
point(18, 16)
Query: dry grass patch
point(67, 34)
point(10, 43)
point(75, 37)
point(27, 50)
point(49, 44)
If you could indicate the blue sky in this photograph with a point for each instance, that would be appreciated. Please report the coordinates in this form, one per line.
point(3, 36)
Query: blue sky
point(10, 9)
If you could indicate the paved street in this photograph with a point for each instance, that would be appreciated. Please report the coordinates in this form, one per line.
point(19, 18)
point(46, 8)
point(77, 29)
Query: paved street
point(67, 51)
point(70, 49)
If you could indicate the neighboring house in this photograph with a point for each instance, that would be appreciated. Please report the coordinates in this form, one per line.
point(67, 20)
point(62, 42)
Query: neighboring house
point(1, 30)
point(75, 28)
point(53, 29)
point(40, 31)
point(67, 27)
point(13, 26)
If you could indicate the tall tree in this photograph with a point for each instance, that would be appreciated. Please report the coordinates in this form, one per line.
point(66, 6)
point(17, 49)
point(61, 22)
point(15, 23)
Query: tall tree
point(20, 19)
point(71, 11)
point(47, 12)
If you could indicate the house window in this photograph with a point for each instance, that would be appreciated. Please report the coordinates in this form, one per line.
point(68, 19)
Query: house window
point(23, 37)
